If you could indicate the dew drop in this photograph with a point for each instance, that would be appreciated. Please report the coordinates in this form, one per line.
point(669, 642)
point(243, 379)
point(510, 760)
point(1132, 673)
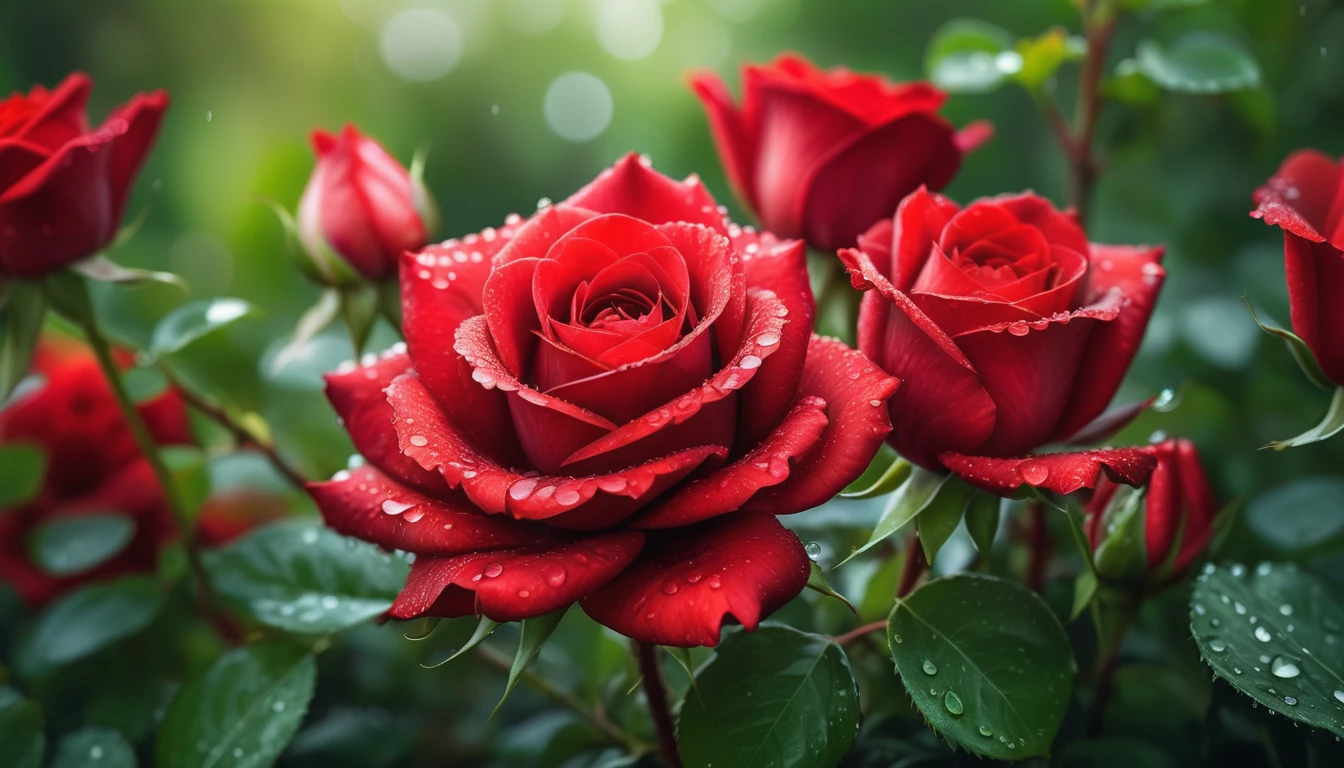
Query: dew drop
point(1034, 472)
point(1339, 696)
point(419, 441)
point(567, 496)
point(392, 507)
point(1166, 401)
point(1239, 608)
point(714, 582)
point(813, 550)
point(1286, 609)
point(749, 362)
point(953, 703)
point(1262, 634)
point(930, 668)
point(555, 575)
point(670, 588)
point(523, 593)
point(492, 570)
point(1290, 701)
point(1217, 646)
point(278, 706)
point(1284, 666)
point(984, 731)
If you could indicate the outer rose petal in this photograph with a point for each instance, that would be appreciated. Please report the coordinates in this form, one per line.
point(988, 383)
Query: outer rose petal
point(369, 505)
point(856, 393)
point(59, 115)
point(1315, 273)
point(1059, 472)
point(730, 135)
point(633, 188)
point(512, 585)
point(1201, 508)
point(689, 580)
point(1303, 197)
point(918, 224)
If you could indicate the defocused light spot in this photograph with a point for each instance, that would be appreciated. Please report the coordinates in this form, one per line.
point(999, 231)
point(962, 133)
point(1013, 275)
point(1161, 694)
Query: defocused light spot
point(535, 17)
point(421, 44)
point(629, 29)
point(737, 10)
point(699, 41)
point(578, 106)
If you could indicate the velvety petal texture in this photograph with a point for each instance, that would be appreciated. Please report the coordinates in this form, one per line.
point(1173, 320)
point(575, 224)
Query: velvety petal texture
point(607, 403)
point(822, 155)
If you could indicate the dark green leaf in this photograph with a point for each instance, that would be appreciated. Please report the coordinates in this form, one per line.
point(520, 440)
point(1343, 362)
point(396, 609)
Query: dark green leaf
point(908, 501)
point(70, 545)
point(1115, 753)
point(1330, 426)
point(1122, 554)
point(483, 630)
point(190, 473)
point(22, 742)
point(971, 56)
point(1273, 633)
point(982, 520)
point(940, 518)
point(535, 632)
point(1084, 590)
point(891, 479)
point(191, 322)
point(89, 619)
point(22, 467)
point(986, 662)
point(777, 697)
point(1302, 354)
point(1299, 514)
point(1160, 5)
point(104, 270)
point(816, 582)
point(22, 309)
point(1199, 62)
point(94, 748)
point(301, 577)
point(241, 712)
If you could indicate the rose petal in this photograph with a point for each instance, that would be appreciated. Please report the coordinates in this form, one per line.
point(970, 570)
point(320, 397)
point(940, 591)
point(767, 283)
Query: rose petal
point(919, 222)
point(689, 580)
point(60, 115)
point(1062, 473)
point(1201, 507)
point(1314, 273)
point(730, 134)
point(1303, 197)
point(633, 188)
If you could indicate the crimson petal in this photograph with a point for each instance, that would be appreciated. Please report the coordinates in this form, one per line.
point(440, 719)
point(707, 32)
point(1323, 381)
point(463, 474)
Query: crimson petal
point(1062, 473)
point(633, 188)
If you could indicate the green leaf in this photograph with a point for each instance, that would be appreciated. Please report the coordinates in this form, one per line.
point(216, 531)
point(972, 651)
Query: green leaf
point(1042, 56)
point(982, 520)
point(89, 619)
point(322, 264)
point(304, 578)
point(22, 468)
point(483, 630)
point(191, 475)
point(1272, 632)
point(1131, 86)
point(986, 662)
point(1330, 426)
point(144, 384)
point(359, 305)
point(971, 56)
point(1199, 62)
point(892, 478)
point(907, 502)
point(94, 747)
point(1302, 354)
point(191, 322)
point(816, 582)
point(1122, 555)
point(535, 632)
point(22, 742)
point(776, 697)
point(1299, 515)
point(1084, 591)
point(22, 309)
point(312, 322)
point(241, 712)
point(71, 545)
point(104, 270)
point(1160, 5)
point(940, 518)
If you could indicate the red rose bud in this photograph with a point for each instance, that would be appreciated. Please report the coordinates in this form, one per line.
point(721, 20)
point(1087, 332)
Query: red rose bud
point(93, 467)
point(63, 185)
point(1152, 535)
point(1009, 330)
point(823, 154)
point(361, 204)
point(608, 403)
point(1303, 200)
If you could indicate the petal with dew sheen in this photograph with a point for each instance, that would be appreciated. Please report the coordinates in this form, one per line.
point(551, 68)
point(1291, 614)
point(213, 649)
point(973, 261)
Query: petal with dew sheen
point(633, 188)
point(1059, 472)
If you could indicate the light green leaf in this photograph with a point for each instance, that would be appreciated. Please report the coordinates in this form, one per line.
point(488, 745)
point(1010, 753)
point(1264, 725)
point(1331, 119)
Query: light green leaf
point(891, 479)
point(104, 270)
point(986, 662)
point(312, 322)
point(1199, 62)
point(94, 748)
point(971, 56)
point(908, 501)
point(1330, 426)
point(22, 468)
point(776, 697)
point(1042, 56)
point(144, 384)
point(1122, 554)
point(191, 322)
point(89, 619)
point(70, 545)
point(535, 633)
point(1302, 354)
point(940, 518)
point(304, 578)
point(22, 309)
point(241, 712)
point(1273, 633)
point(483, 630)
point(191, 476)
point(359, 305)
point(816, 582)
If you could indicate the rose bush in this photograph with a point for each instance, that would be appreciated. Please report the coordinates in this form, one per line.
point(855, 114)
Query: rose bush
point(607, 403)
point(1009, 331)
point(823, 154)
point(63, 185)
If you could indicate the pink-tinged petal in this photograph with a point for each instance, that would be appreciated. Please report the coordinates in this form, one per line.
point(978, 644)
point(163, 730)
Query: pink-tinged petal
point(369, 505)
point(1062, 473)
point(917, 226)
point(730, 134)
point(1315, 274)
point(1136, 274)
point(515, 585)
point(729, 489)
point(973, 135)
point(1030, 370)
point(1303, 197)
point(688, 581)
point(886, 163)
point(780, 267)
point(856, 393)
point(358, 395)
point(633, 188)
point(896, 335)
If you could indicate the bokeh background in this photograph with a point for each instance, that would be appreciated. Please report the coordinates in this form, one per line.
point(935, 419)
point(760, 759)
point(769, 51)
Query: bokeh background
point(519, 100)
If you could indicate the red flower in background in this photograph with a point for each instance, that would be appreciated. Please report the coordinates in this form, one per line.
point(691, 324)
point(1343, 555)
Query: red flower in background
point(1303, 198)
point(1009, 330)
point(362, 204)
point(92, 467)
point(63, 186)
point(823, 154)
point(608, 403)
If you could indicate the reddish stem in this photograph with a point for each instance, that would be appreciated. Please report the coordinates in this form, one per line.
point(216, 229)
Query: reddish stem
point(1038, 546)
point(655, 690)
point(915, 565)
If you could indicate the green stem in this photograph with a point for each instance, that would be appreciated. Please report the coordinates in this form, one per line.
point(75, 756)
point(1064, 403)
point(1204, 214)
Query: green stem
point(1108, 660)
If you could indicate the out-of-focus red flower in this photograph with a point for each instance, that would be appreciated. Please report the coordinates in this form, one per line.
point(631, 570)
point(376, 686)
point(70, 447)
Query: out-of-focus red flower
point(227, 516)
point(63, 185)
point(823, 154)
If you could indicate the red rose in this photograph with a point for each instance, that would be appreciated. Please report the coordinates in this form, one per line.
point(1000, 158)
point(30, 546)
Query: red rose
point(92, 467)
point(1178, 511)
point(607, 403)
point(823, 154)
point(1303, 199)
point(1009, 331)
point(63, 187)
point(227, 516)
point(362, 204)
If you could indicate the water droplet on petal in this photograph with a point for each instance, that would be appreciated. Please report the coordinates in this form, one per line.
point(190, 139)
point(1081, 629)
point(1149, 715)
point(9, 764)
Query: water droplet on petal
point(749, 362)
point(555, 575)
point(492, 570)
point(419, 441)
point(1034, 472)
point(392, 507)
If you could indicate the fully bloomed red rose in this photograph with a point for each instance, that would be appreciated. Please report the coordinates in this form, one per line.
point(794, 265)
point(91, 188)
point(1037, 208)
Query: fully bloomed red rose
point(362, 204)
point(1008, 329)
point(823, 154)
point(1303, 198)
point(606, 403)
point(63, 186)
point(93, 466)
point(1178, 511)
